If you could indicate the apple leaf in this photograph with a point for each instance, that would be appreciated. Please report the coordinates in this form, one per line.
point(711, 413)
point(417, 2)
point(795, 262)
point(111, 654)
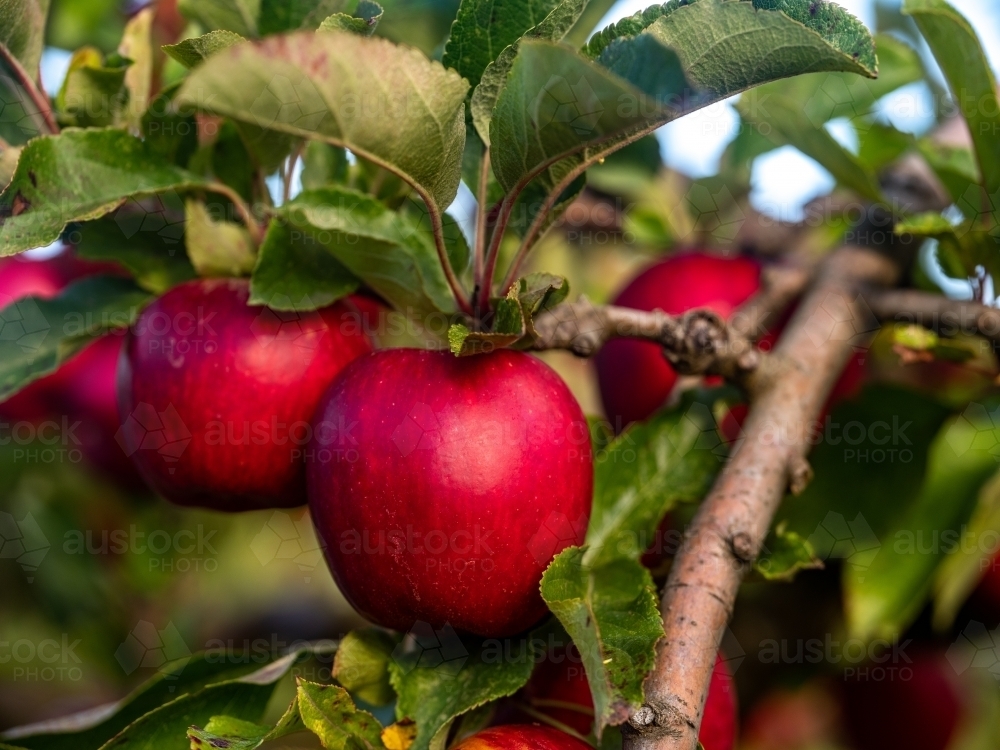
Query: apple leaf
point(22, 31)
point(484, 28)
point(785, 124)
point(93, 93)
point(389, 251)
point(192, 52)
point(362, 665)
point(785, 553)
point(643, 473)
point(238, 16)
point(23, 118)
point(156, 262)
point(558, 105)
point(137, 46)
point(170, 132)
point(959, 52)
point(363, 22)
point(330, 714)
point(294, 272)
point(552, 28)
point(39, 335)
point(108, 166)
point(191, 689)
point(611, 611)
point(216, 248)
point(891, 593)
point(439, 676)
point(512, 316)
point(964, 565)
point(387, 103)
point(958, 171)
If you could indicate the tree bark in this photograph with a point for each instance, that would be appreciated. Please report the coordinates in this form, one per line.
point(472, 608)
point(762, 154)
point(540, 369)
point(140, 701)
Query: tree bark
point(726, 535)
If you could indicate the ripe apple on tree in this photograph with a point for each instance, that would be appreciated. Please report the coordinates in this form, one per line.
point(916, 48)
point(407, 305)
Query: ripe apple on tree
point(216, 396)
point(521, 737)
point(561, 692)
point(450, 481)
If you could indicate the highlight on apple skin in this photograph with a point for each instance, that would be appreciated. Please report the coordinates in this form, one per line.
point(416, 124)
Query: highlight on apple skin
point(522, 737)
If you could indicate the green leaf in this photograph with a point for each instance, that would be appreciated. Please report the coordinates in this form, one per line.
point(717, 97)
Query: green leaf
point(327, 87)
point(39, 335)
point(880, 145)
point(869, 459)
point(783, 122)
point(363, 22)
point(965, 563)
point(958, 51)
point(557, 104)
point(671, 458)
point(362, 665)
point(611, 611)
point(508, 328)
point(388, 251)
point(294, 272)
point(93, 729)
point(957, 169)
point(216, 248)
point(330, 714)
point(438, 676)
point(22, 118)
point(238, 16)
point(22, 31)
point(137, 46)
point(168, 131)
point(93, 94)
point(277, 16)
point(323, 164)
point(156, 261)
point(552, 28)
point(962, 458)
point(192, 52)
point(108, 166)
point(238, 734)
point(243, 698)
point(484, 28)
point(785, 553)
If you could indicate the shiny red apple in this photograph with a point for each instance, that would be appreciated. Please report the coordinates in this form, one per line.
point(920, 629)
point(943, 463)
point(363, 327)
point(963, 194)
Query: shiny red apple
point(634, 377)
point(914, 705)
point(442, 487)
point(561, 692)
point(216, 396)
point(522, 737)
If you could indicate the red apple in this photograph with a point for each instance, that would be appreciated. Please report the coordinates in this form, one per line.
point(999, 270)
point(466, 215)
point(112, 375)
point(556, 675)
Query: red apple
point(561, 692)
point(522, 737)
point(635, 379)
point(917, 706)
point(216, 396)
point(442, 487)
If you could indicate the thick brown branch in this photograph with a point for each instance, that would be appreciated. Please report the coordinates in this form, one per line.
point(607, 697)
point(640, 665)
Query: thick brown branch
point(948, 317)
point(698, 342)
point(731, 524)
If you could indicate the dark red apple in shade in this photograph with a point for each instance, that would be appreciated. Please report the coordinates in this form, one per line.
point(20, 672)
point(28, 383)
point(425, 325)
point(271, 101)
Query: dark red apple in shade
point(19, 278)
point(917, 706)
point(634, 377)
point(521, 737)
point(216, 396)
point(442, 487)
point(561, 692)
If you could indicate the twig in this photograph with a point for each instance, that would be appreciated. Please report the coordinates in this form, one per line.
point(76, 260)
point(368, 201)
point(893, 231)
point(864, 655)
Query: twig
point(286, 182)
point(38, 98)
point(493, 251)
point(947, 317)
point(698, 342)
point(727, 533)
point(481, 210)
